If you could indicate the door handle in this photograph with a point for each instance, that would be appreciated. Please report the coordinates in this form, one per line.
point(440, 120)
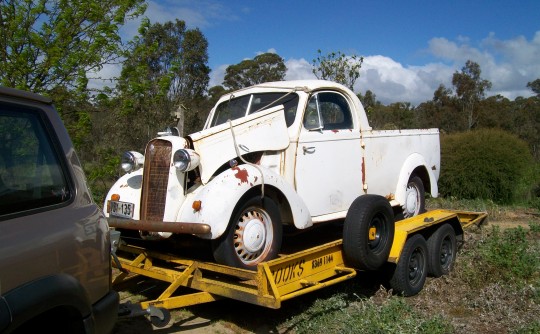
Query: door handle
point(308, 150)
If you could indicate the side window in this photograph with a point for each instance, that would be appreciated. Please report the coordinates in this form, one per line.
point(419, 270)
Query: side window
point(333, 109)
point(31, 175)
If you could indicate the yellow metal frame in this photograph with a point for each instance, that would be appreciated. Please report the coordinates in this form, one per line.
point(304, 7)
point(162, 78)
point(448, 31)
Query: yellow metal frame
point(274, 281)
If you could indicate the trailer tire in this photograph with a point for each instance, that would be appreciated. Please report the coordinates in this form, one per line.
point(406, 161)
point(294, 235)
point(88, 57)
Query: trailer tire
point(442, 249)
point(368, 232)
point(415, 198)
point(254, 235)
point(411, 270)
point(159, 322)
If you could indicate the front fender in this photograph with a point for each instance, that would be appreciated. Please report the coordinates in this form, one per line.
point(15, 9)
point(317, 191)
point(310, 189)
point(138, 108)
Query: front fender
point(220, 196)
point(414, 161)
point(128, 186)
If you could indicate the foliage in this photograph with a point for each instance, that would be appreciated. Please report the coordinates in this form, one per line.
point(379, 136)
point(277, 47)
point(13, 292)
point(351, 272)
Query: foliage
point(470, 89)
point(486, 164)
point(263, 68)
point(509, 255)
point(164, 72)
point(337, 315)
point(336, 66)
point(52, 43)
point(534, 86)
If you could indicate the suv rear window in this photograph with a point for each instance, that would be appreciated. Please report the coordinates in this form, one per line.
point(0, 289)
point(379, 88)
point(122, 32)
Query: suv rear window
point(31, 173)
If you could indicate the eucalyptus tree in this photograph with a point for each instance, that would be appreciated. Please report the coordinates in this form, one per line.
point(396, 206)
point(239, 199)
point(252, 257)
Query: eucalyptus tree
point(470, 89)
point(263, 68)
point(165, 72)
point(336, 66)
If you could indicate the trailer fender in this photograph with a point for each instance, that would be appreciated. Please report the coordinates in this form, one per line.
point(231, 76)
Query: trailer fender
point(219, 197)
point(414, 161)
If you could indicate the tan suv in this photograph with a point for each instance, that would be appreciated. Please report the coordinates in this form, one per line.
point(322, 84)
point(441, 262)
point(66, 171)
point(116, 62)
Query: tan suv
point(55, 268)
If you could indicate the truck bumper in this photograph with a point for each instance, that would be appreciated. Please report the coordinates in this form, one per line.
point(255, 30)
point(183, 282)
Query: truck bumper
point(159, 226)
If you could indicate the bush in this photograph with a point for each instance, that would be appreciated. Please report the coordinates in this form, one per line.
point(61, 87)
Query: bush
point(488, 164)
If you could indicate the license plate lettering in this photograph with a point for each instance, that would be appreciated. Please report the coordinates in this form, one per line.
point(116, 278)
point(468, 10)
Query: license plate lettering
point(122, 209)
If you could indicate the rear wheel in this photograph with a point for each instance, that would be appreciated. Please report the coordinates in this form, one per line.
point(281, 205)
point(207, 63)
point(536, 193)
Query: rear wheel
point(411, 270)
point(441, 250)
point(254, 235)
point(368, 232)
point(415, 198)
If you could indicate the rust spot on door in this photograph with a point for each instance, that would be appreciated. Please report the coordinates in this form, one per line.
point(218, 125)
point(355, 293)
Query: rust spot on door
point(241, 174)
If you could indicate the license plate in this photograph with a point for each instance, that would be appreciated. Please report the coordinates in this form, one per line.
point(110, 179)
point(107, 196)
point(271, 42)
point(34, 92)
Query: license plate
point(122, 209)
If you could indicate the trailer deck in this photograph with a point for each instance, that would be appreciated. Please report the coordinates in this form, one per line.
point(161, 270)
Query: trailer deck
point(273, 282)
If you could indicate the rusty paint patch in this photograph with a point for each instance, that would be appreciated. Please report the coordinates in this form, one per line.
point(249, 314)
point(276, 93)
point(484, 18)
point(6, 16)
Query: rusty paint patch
point(363, 170)
point(335, 131)
point(241, 174)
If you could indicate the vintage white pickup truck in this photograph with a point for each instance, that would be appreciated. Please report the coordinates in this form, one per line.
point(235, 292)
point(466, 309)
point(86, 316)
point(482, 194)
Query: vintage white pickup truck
point(278, 155)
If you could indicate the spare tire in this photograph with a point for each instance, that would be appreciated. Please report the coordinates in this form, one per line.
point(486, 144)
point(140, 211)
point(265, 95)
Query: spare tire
point(368, 232)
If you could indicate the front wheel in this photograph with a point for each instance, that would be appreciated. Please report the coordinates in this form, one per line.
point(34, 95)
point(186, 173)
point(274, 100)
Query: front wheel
point(254, 235)
point(410, 272)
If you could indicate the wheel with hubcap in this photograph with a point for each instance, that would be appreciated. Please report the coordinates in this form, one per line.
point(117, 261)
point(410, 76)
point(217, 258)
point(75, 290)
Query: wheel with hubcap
point(253, 236)
point(368, 232)
point(411, 270)
point(441, 251)
point(415, 200)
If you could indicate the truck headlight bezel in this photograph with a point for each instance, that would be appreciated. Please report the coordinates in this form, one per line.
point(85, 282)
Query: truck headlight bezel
point(185, 160)
point(131, 161)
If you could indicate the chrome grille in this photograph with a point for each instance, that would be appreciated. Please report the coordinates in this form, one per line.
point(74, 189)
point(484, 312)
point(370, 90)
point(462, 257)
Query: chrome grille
point(155, 179)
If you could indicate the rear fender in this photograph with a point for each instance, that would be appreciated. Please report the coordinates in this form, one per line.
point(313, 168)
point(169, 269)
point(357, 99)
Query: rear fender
point(414, 161)
point(220, 196)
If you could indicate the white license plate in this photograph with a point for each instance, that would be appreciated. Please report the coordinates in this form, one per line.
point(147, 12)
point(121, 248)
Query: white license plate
point(122, 209)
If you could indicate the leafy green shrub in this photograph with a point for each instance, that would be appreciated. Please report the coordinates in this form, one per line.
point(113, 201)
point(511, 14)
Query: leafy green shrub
point(487, 164)
point(509, 255)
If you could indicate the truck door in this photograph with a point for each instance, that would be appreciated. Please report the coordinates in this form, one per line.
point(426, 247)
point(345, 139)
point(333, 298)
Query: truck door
point(328, 173)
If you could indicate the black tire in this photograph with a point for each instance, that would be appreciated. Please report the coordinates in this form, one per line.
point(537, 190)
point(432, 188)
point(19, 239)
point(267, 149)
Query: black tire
point(160, 323)
point(411, 270)
point(415, 198)
point(442, 250)
point(362, 249)
point(261, 217)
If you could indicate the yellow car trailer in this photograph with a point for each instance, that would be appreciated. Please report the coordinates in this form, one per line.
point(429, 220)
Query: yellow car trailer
point(290, 275)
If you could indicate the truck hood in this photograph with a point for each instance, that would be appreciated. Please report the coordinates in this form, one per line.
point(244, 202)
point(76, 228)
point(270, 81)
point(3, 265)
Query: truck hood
point(262, 131)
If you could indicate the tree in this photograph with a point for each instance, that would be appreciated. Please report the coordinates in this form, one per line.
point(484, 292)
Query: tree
point(165, 68)
point(336, 66)
point(470, 89)
point(263, 68)
point(46, 44)
point(534, 86)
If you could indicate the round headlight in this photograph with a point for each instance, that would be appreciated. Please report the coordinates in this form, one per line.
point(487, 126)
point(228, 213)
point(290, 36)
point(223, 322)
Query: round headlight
point(132, 161)
point(181, 160)
point(185, 160)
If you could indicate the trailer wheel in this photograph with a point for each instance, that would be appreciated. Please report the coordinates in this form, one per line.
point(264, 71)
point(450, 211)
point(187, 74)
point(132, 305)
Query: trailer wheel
point(368, 232)
point(254, 235)
point(411, 270)
point(441, 251)
point(415, 198)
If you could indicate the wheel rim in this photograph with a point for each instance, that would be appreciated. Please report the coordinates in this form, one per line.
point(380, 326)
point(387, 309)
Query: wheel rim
point(412, 201)
point(447, 253)
point(416, 267)
point(253, 235)
point(376, 229)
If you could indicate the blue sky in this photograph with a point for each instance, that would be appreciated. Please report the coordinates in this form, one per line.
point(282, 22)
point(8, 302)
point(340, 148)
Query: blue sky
point(409, 47)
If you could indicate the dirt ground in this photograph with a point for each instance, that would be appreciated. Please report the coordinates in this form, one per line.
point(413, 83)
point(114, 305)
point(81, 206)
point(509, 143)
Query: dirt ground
point(228, 316)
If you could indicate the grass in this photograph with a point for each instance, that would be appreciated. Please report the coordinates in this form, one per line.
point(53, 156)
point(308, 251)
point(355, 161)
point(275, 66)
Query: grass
point(494, 287)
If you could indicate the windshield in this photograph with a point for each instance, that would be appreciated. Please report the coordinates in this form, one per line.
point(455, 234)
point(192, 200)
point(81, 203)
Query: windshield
point(249, 104)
